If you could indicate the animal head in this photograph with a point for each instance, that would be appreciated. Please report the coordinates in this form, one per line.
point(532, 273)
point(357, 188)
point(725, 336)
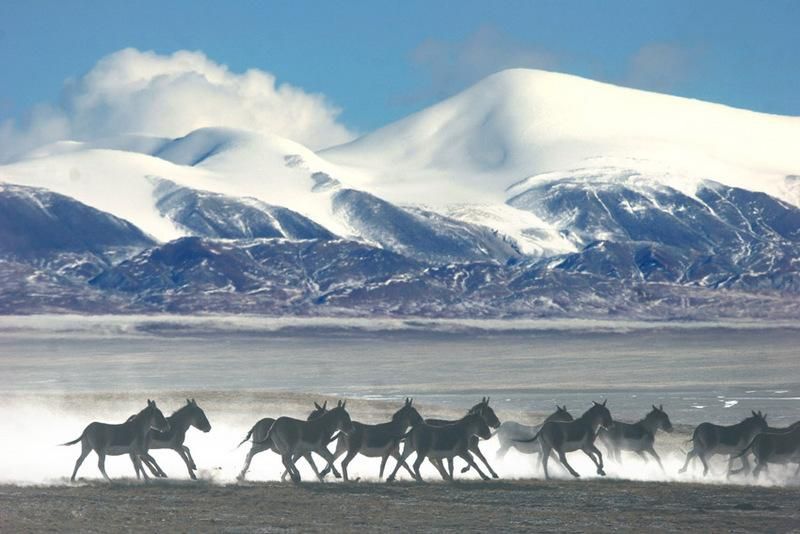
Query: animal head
point(560, 415)
point(155, 418)
point(199, 419)
point(758, 421)
point(599, 415)
point(485, 411)
point(342, 418)
point(479, 427)
point(408, 414)
point(318, 411)
point(660, 418)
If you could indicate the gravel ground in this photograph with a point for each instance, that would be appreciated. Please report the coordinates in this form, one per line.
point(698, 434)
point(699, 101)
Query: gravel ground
point(572, 506)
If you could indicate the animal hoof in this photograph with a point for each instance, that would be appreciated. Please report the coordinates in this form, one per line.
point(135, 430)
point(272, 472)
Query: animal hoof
point(601, 472)
point(495, 475)
point(464, 469)
point(194, 477)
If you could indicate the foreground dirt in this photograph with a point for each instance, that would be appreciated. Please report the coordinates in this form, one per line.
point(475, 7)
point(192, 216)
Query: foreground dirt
point(573, 506)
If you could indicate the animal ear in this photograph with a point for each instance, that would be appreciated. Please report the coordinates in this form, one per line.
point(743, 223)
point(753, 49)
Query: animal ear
point(317, 406)
point(194, 401)
point(325, 405)
point(344, 403)
point(661, 407)
point(338, 404)
point(605, 401)
point(188, 401)
point(654, 407)
point(754, 413)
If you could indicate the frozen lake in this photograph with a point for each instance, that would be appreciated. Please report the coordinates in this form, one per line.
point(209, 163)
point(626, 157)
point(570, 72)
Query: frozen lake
point(701, 372)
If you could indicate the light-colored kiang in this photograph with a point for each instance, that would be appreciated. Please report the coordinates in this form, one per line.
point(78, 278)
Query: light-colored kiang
point(776, 446)
point(437, 443)
point(128, 438)
point(292, 437)
point(378, 441)
point(562, 437)
point(486, 412)
point(636, 437)
point(509, 431)
point(189, 415)
point(262, 443)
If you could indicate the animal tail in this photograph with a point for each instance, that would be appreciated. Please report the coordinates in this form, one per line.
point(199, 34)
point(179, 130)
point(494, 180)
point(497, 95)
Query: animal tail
point(246, 437)
point(746, 449)
point(268, 436)
point(74, 441)
point(534, 438)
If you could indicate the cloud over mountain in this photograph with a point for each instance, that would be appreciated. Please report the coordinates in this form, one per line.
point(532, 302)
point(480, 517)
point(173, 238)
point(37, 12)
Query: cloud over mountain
point(131, 91)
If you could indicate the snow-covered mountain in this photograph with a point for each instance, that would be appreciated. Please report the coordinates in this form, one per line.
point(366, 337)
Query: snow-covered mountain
point(530, 193)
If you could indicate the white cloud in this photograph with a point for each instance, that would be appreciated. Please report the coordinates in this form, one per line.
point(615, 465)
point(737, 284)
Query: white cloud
point(170, 95)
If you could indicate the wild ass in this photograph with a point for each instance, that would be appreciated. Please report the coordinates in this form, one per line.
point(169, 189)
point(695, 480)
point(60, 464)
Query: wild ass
point(567, 436)
point(292, 437)
point(709, 439)
point(129, 438)
point(447, 441)
point(179, 422)
point(775, 446)
point(489, 417)
point(377, 441)
point(637, 437)
point(509, 431)
point(259, 433)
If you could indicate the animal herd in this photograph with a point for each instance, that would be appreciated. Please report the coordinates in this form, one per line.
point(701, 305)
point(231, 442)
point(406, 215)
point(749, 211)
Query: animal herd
point(438, 441)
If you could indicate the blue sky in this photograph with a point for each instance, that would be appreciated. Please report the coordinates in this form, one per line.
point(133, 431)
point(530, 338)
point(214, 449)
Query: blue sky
point(380, 60)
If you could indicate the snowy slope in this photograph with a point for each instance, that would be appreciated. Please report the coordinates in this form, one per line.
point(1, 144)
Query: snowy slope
point(519, 123)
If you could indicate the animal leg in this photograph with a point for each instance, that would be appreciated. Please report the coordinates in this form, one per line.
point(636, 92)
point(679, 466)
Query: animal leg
point(417, 465)
point(591, 451)
point(341, 448)
point(347, 459)
point(689, 457)
point(744, 469)
point(289, 465)
point(704, 462)
point(85, 450)
point(101, 464)
point(437, 463)
point(468, 457)
point(327, 455)
point(247, 461)
point(137, 465)
point(563, 457)
point(189, 455)
point(544, 459)
point(655, 455)
point(477, 450)
point(188, 461)
point(153, 466)
point(401, 461)
point(383, 465)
